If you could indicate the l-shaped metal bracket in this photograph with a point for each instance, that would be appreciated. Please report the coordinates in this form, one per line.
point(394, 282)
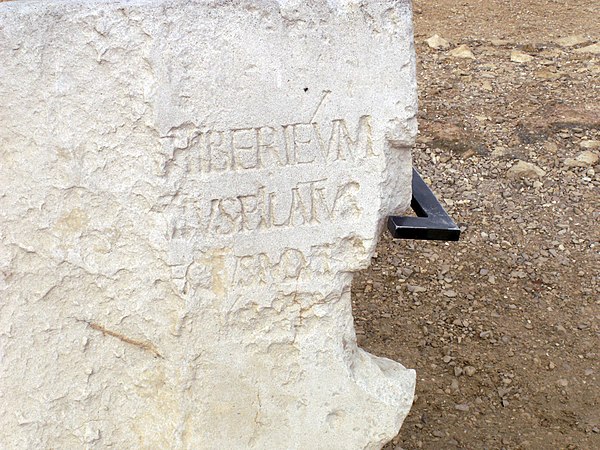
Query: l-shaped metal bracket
point(432, 222)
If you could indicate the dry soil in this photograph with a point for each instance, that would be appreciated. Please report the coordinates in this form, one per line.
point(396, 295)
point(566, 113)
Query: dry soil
point(502, 327)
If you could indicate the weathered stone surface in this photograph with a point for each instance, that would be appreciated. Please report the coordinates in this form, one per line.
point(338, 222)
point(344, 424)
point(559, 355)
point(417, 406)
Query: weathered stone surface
point(186, 188)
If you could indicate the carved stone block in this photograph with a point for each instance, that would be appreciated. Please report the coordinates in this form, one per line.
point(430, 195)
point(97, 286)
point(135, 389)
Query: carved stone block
point(186, 188)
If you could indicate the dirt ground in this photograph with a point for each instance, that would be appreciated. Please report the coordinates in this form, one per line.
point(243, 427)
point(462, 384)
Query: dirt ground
point(502, 327)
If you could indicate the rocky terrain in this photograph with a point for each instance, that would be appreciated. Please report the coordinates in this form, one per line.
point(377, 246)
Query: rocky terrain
point(502, 327)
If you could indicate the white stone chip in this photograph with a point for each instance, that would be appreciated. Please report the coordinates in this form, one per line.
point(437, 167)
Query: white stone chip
point(571, 41)
point(437, 42)
point(593, 49)
point(524, 169)
point(520, 57)
point(591, 144)
point(462, 51)
point(186, 188)
point(584, 159)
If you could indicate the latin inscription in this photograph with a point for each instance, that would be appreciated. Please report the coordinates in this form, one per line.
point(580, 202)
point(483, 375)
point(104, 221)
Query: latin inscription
point(296, 144)
point(302, 199)
point(306, 203)
point(292, 265)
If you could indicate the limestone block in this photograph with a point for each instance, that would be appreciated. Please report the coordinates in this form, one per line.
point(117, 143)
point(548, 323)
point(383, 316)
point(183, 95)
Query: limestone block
point(186, 188)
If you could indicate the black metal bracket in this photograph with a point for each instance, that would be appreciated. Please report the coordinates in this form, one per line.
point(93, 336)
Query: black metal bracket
point(432, 222)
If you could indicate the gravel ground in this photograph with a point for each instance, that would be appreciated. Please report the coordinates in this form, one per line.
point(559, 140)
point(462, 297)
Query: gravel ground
point(502, 327)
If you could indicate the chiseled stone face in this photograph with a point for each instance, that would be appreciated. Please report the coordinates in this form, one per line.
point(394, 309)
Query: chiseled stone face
point(186, 188)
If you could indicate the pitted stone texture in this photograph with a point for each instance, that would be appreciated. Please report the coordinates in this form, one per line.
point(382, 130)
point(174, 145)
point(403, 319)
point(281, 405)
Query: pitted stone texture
point(186, 189)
